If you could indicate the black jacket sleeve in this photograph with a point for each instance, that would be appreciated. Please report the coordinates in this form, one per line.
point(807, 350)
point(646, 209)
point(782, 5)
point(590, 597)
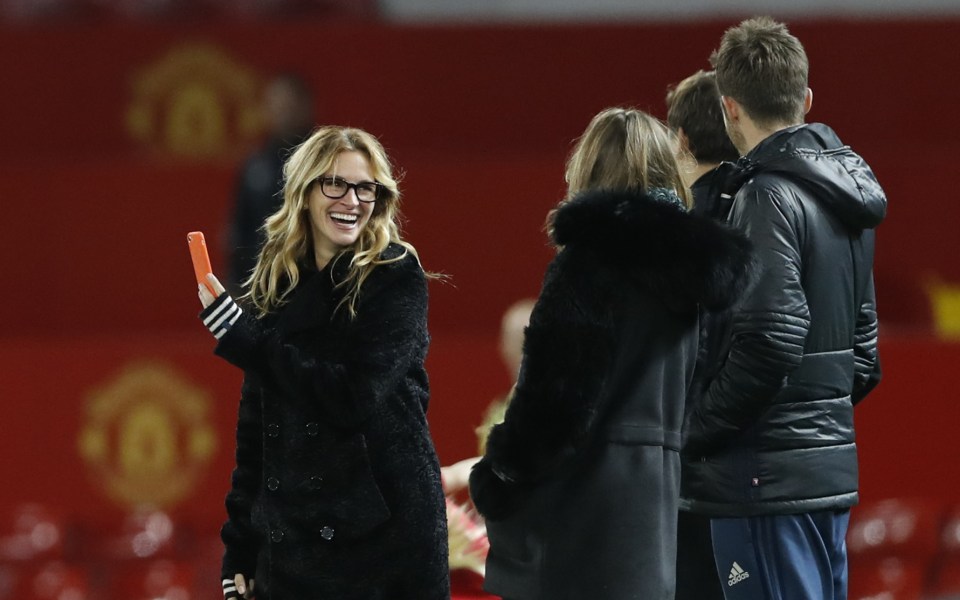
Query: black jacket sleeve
point(865, 351)
point(768, 330)
point(239, 538)
point(568, 351)
point(350, 375)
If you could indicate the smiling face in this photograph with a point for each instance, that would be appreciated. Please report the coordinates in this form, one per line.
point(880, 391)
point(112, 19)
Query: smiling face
point(336, 223)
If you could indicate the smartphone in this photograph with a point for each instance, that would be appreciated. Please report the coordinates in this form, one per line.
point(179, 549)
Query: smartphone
point(201, 260)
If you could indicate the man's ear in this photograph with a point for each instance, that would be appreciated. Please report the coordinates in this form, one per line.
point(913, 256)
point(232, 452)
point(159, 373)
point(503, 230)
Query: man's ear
point(807, 101)
point(731, 108)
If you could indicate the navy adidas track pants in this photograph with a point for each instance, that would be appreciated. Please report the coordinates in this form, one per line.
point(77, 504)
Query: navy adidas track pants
point(782, 557)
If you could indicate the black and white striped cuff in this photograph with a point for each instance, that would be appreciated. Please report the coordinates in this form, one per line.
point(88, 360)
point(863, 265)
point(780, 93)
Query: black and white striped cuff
point(221, 315)
point(230, 589)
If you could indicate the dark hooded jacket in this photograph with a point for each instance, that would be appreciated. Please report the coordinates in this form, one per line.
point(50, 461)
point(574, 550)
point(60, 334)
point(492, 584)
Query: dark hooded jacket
point(711, 199)
point(773, 431)
point(711, 194)
point(580, 483)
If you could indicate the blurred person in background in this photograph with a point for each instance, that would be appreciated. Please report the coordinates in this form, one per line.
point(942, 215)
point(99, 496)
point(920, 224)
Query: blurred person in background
point(512, 325)
point(770, 446)
point(695, 115)
point(579, 484)
point(468, 541)
point(336, 491)
point(288, 111)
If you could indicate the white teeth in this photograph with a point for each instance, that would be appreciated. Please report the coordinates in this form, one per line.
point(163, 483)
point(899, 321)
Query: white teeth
point(344, 217)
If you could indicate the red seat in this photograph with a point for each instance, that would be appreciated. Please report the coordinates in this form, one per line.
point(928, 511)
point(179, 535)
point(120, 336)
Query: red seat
point(886, 579)
point(142, 534)
point(143, 555)
point(161, 579)
point(9, 576)
point(53, 580)
point(208, 557)
point(945, 579)
point(32, 532)
point(909, 528)
point(891, 545)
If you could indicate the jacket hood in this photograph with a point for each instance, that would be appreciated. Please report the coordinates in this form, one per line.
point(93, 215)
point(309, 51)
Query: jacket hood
point(815, 158)
point(685, 259)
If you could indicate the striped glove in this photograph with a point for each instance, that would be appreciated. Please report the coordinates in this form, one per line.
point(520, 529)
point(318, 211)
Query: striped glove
point(231, 591)
point(219, 316)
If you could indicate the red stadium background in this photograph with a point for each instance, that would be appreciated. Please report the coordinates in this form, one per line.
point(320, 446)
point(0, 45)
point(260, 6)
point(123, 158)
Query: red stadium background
point(119, 139)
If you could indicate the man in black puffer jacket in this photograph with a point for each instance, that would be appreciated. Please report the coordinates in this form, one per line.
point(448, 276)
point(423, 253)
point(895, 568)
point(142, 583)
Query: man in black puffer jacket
point(769, 447)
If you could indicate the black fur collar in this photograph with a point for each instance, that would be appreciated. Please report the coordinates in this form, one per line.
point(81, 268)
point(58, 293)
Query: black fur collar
point(684, 258)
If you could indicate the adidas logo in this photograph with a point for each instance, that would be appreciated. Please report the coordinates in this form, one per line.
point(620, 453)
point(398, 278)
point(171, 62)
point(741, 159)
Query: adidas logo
point(737, 574)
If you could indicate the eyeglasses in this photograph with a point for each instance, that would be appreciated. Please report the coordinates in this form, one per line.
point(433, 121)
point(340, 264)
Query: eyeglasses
point(337, 187)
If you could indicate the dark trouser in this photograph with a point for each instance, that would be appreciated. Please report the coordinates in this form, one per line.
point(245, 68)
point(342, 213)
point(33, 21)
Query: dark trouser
point(783, 557)
point(696, 569)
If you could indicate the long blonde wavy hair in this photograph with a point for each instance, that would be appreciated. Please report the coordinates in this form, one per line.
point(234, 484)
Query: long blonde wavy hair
point(623, 149)
point(289, 234)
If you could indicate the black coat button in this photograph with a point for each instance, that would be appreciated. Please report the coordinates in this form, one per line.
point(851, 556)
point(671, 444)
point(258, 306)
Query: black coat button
point(326, 533)
point(273, 430)
point(276, 535)
point(273, 484)
point(313, 429)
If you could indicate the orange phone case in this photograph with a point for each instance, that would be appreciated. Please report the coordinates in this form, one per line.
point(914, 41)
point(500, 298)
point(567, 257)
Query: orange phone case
point(201, 260)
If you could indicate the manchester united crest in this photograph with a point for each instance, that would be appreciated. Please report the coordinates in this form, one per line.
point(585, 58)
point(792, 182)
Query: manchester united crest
point(146, 437)
point(194, 102)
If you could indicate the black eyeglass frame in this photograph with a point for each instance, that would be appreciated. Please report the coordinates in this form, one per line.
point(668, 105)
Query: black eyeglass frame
point(377, 187)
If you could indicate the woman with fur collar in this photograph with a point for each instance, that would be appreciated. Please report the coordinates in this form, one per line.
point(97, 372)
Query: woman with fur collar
point(336, 491)
point(579, 484)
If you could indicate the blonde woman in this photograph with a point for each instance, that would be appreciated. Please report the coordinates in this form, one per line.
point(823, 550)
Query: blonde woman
point(579, 484)
point(336, 491)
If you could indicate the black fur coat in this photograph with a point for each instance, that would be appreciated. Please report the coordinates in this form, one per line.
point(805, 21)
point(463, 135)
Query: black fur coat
point(336, 491)
point(580, 483)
